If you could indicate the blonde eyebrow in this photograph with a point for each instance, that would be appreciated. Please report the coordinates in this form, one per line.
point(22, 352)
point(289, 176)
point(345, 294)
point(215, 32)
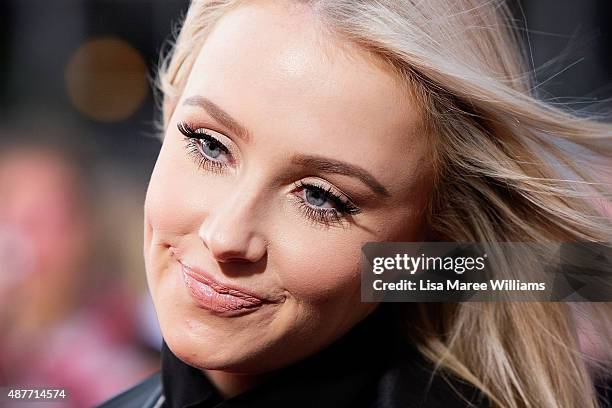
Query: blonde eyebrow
point(219, 115)
point(334, 166)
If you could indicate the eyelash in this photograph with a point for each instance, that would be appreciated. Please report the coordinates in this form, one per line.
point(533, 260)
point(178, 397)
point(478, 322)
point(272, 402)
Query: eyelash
point(327, 217)
point(191, 138)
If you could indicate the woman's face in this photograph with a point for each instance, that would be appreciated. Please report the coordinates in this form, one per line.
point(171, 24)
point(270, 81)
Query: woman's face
point(286, 152)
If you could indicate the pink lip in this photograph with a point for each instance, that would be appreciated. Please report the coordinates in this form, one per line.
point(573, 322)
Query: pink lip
point(214, 296)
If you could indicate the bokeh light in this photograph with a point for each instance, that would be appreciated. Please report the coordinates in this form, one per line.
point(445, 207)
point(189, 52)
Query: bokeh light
point(106, 79)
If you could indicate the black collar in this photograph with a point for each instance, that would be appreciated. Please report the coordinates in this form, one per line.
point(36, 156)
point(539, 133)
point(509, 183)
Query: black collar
point(183, 385)
point(334, 377)
point(368, 367)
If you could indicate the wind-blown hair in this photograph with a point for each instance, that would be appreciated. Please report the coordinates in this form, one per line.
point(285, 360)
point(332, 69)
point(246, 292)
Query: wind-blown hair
point(508, 167)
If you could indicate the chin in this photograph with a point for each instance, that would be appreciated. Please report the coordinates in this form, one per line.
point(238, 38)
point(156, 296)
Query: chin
point(207, 354)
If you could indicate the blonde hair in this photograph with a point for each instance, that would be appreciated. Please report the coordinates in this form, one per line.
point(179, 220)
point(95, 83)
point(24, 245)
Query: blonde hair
point(508, 168)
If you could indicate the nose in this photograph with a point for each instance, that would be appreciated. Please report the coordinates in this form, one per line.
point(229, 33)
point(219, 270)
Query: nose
point(230, 231)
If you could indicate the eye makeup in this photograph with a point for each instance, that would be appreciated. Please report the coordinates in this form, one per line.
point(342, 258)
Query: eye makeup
point(328, 216)
point(205, 151)
point(199, 141)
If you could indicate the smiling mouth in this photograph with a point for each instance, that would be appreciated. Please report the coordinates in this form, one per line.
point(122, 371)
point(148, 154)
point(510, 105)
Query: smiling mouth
point(217, 298)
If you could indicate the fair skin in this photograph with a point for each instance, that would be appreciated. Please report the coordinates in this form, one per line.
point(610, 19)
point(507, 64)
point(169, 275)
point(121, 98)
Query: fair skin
point(297, 93)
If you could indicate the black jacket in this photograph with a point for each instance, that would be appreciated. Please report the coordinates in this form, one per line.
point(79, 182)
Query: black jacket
point(369, 367)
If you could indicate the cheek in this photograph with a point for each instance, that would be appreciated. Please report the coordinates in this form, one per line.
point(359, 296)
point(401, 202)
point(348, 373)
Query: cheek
point(319, 267)
point(173, 204)
point(164, 187)
point(322, 268)
point(168, 214)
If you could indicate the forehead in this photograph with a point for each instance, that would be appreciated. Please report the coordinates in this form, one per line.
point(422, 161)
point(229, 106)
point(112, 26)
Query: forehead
point(274, 69)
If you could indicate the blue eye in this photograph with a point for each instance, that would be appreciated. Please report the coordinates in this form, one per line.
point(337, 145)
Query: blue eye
point(203, 147)
point(211, 148)
point(315, 197)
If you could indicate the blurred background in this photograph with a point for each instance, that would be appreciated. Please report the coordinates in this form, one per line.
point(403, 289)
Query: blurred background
point(78, 143)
